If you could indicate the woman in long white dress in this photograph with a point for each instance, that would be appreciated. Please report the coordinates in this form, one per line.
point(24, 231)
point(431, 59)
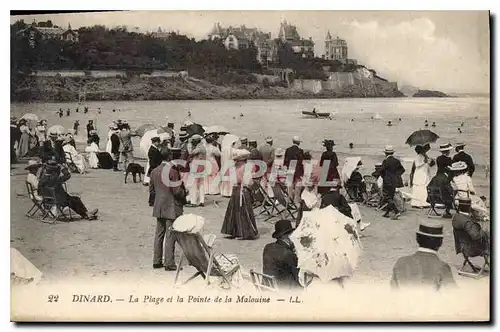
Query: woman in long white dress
point(77, 158)
point(212, 184)
point(92, 150)
point(420, 177)
point(229, 142)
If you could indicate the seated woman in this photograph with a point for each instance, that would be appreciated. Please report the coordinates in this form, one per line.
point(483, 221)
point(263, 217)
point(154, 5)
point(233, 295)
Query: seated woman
point(309, 200)
point(334, 198)
point(356, 185)
point(92, 149)
point(478, 232)
point(462, 185)
point(77, 158)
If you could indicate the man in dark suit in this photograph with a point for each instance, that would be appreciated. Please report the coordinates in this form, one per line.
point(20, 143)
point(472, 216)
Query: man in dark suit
point(295, 153)
point(424, 268)
point(53, 149)
point(466, 158)
point(154, 155)
point(169, 199)
point(279, 258)
point(51, 182)
point(391, 171)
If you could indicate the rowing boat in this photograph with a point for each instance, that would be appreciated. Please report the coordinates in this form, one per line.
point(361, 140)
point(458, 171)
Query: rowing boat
point(316, 114)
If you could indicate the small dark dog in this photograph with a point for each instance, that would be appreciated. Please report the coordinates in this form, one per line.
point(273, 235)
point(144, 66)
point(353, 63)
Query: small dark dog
point(134, 169)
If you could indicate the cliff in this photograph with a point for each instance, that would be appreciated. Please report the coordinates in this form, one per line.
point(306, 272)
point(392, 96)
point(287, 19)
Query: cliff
point(430, 94)
point(160, 88)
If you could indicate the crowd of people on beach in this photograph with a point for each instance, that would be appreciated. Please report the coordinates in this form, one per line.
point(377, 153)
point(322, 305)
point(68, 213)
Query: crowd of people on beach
point(219, 163)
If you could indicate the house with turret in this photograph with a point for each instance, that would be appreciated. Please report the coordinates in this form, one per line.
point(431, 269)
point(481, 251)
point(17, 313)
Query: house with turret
point(288, 34)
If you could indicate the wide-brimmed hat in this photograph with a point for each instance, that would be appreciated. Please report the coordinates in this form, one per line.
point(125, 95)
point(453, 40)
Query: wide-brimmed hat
point(388, 149)
point(445, 147)
point(430, 229)
point(282, 227)
point(329, 142)
point(269, 139)
point(33, 163)
point(458, 166)
point(279, 152)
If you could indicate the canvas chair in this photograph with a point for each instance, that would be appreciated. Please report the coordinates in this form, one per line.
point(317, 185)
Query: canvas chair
point(70, 163)
point(281, 194)
point(374, 194)
point(38, 206)
point(263, 203)
point(436, 201)
point(50, 201)
point(470, 248)
point(202, 257)
point(263, 282)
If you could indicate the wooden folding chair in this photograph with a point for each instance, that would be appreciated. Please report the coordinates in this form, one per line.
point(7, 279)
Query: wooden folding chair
point(435, 198)
point(281, 194)
point(50, 201)
point(373, 192)
point(469, 248)
point(202, 257)
point(264, 204)
point(264, 282)
point(37, 205)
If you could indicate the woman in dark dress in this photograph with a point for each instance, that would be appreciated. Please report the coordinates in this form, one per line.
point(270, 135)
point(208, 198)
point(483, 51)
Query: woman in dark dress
point(356, 185)
point(332, 172)
point(239, 221)
point(442, 178)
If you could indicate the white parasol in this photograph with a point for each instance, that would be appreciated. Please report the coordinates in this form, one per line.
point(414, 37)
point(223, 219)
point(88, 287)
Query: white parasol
point(145, 142)
point(56, 129)
point(189, 223)
point(22, 268)
point(350, 165)
point(216, 130)
point(327, 244)
point(228, 141)
point(30, 116)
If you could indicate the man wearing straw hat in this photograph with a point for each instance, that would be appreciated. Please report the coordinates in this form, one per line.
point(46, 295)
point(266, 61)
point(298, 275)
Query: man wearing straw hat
point(295, 153)
point(424, 268)
point(390, 171)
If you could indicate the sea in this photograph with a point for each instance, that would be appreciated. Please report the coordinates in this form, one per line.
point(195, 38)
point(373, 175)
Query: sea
point(362, 122)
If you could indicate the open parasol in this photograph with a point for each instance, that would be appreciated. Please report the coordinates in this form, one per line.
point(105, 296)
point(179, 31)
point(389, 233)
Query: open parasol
point(228, 141)
point(216, 130)
point(195, 129)
point(422, 137)
point(56, 129)
point(327, 244)
point(350, 165)
point(145, 142)
point(30, 116)
point(144, 128)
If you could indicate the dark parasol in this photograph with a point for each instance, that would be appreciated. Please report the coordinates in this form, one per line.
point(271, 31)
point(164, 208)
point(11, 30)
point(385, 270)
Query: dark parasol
point(195, 129)
point(422, 137)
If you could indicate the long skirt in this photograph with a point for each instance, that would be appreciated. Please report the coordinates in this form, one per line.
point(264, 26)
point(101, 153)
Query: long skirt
point(24, 145)
point(239, 221)
point(212, 184)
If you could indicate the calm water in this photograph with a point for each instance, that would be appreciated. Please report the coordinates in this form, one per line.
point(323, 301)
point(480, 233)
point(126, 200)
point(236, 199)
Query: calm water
point(282, 119)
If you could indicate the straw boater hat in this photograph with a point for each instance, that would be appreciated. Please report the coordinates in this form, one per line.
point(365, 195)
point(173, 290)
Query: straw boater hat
point(445, 147)
point(460, 145)
point(196, 137)
point(282, 227)
point(243, 140)
point(389, 149)
point(183, 134)
point(430, 229)
point(458, 166)
point(252, 141)
point(279, 152)
point(296, 139)
point(269, 139)
point(33, 163)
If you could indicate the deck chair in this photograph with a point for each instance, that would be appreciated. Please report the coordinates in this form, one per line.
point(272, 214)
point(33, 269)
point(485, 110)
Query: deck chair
point(374, 194)
point(38, 206)
point(264, 204)
point(436, 201)
point(281, 194)
point(263, 282)
point(202, 257)
point(50, 203)
point(71, 164)
point(469, 248)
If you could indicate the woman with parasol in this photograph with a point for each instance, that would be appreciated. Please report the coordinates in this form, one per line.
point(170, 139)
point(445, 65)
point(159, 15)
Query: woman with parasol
point(420, 176)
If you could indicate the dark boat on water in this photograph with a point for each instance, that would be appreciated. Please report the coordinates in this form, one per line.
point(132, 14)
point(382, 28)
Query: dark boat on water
point(316, 114)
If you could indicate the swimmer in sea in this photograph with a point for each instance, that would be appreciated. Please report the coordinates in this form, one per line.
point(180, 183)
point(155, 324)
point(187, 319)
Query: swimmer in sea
point(351, 145)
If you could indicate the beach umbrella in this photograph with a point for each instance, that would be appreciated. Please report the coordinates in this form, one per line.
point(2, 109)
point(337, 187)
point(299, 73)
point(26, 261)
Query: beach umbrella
point(422, 137)
point(145, 127)
point(195, 129)
point(21, 269)
point(145, 142)
point(216, 130)
point(327, 244)
point(228, 141)
point(30, 116)
point(57, 129)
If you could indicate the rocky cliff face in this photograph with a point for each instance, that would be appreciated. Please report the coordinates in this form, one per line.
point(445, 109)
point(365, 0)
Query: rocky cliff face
point(159, 88)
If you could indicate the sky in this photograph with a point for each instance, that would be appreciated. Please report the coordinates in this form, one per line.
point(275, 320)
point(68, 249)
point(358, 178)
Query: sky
point(441, 50)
